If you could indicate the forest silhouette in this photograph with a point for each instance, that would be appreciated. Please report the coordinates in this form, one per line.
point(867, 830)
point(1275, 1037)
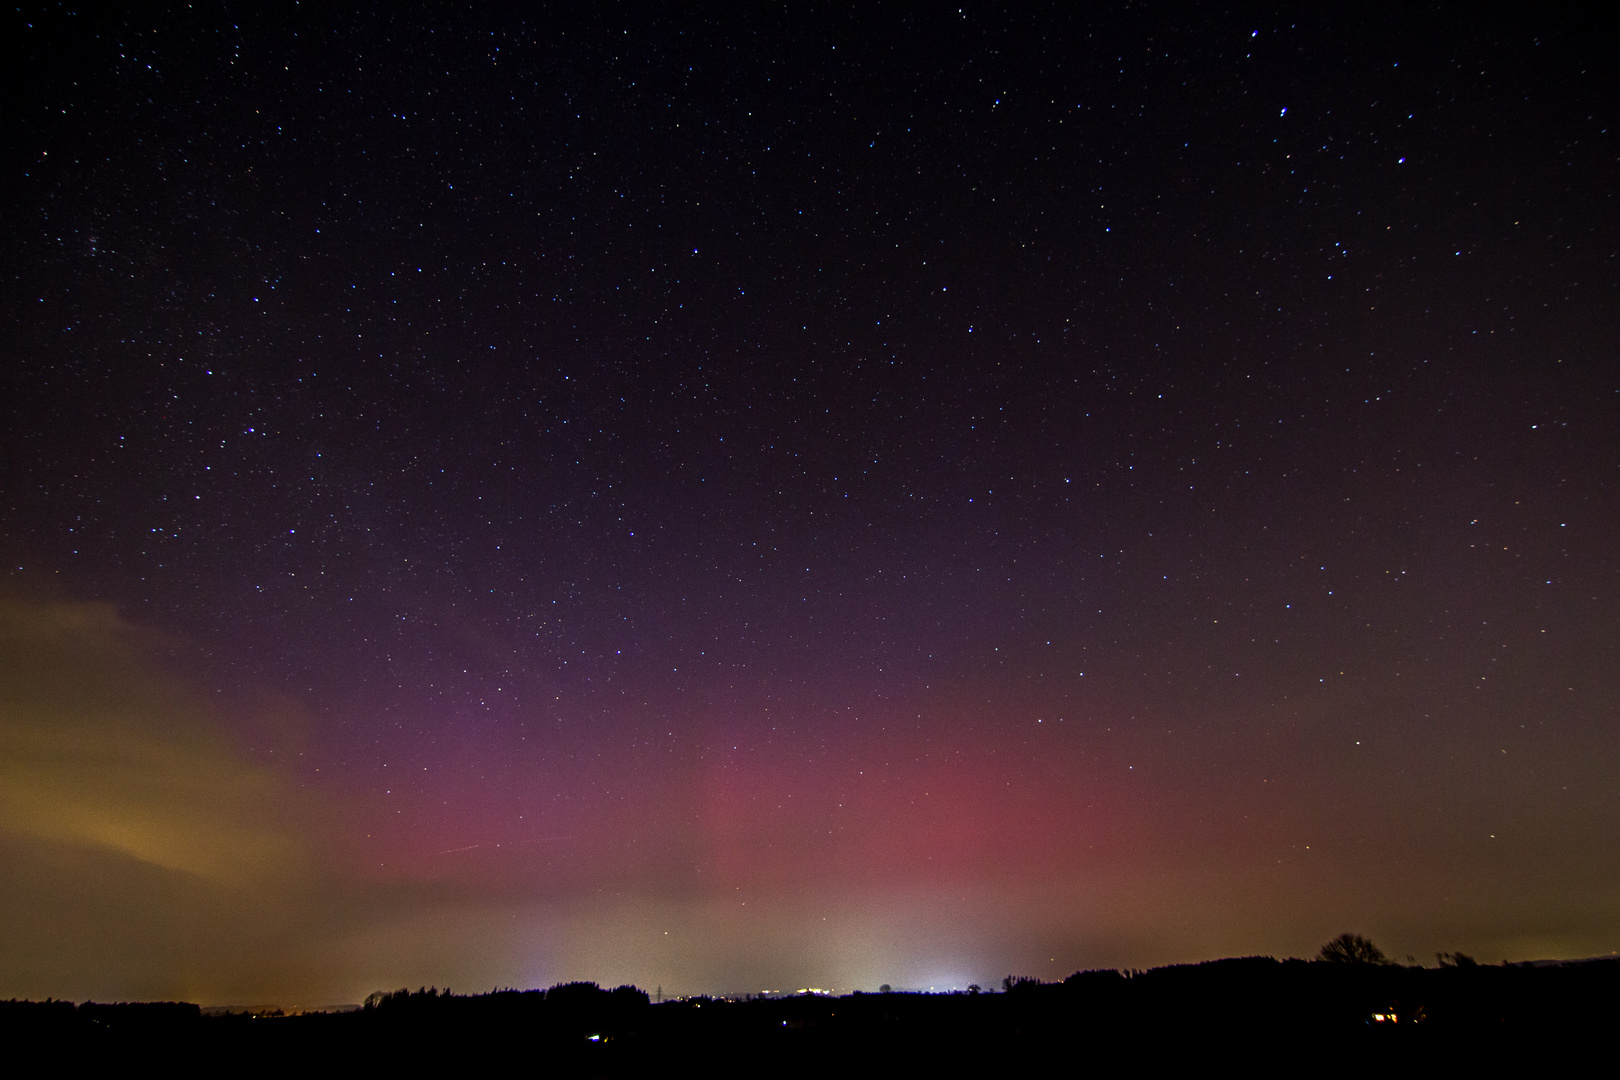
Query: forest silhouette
point(1350, 1007)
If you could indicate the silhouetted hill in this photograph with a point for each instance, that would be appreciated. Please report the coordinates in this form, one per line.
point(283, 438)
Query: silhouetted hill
point(1258, 1010)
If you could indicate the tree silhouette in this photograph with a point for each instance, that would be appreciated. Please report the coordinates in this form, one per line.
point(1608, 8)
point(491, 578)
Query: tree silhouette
point(1351, 949)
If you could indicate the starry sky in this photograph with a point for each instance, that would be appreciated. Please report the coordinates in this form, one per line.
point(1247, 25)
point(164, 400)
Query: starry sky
point(765, 496)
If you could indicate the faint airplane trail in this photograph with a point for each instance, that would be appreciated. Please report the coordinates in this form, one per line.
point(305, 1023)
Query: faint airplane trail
point(536, 840)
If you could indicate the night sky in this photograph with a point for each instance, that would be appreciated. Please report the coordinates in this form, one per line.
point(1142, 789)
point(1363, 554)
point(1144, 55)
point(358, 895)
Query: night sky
point(757, 497)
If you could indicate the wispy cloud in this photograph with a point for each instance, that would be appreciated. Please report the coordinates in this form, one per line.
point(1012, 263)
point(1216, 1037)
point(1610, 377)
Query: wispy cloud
point(99, 747)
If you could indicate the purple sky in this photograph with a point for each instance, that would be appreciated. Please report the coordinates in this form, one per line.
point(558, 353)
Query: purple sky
point(774, 499)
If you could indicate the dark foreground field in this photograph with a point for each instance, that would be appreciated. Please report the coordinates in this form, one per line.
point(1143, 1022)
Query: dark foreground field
point(1253, 1013)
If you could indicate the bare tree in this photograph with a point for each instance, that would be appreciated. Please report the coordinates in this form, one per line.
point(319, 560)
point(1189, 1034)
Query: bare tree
point(1351, 949)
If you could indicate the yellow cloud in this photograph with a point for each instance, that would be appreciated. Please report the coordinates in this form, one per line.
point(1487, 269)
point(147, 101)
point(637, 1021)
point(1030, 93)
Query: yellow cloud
point(101, 747)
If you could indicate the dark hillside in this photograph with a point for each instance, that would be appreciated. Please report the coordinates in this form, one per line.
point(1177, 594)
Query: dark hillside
point(1266, 1012)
